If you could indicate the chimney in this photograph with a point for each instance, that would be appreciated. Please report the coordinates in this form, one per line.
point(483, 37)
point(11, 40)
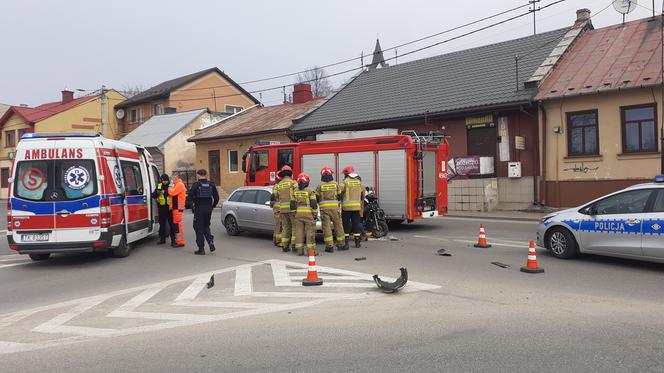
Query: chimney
point(582, 15)
point(67, 96)
point(302, 93)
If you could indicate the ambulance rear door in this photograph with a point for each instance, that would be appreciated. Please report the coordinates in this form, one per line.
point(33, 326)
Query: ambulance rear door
point(135, 195)
point(32, 217)
point(76, 191)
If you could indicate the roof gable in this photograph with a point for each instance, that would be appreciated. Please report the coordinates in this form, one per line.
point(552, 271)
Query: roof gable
point(481, 77)
point(41, 112)
point(164, 89)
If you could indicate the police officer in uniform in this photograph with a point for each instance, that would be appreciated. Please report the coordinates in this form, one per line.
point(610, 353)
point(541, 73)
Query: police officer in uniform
point(160, 194)
point(282, 195)
point(306, 208)
point(204, 198)
point(352, 194)
point(327, 194)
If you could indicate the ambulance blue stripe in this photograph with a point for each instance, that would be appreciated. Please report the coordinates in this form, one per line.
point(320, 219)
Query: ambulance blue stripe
point(38, 208)
point(135, 200)
point(74, 206)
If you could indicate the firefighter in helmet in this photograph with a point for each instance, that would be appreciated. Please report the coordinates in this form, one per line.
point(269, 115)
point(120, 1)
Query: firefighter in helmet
point(352, 194)
point(282, 195)
point(276, 210)
point(306, 209)
point(327, 194)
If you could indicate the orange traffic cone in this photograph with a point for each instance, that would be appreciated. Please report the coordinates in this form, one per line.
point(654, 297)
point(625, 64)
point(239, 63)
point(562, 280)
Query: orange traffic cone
point(481, 242)
point(312, 274)
point(531, 265)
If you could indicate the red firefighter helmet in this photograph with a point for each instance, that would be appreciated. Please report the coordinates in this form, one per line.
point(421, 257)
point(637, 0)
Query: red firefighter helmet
point(286, 168)
point(326, 171)
point(349, 170)
point(303, 178)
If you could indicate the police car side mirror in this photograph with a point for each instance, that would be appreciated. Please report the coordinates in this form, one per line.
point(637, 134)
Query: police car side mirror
point(267, 203)
point(590, 210)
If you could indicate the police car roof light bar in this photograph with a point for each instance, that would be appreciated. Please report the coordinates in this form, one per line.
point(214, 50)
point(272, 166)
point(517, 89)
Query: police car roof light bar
point(658, 179)
point(59, 134)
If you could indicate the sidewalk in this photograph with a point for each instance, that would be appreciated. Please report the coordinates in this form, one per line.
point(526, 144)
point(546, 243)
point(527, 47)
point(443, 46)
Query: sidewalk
point(501, 215)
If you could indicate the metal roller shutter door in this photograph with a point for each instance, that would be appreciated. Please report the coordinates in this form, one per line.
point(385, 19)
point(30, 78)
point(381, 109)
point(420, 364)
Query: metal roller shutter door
point(363, 162)
point(392, 183)
point(312, 164)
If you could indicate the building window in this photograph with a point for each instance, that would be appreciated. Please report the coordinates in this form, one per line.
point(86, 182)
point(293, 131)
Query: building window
point(20, 133)
point(4, 177)
point(233, 109)
point(10, 139)
point(214, 166)
point(284, 158)
point(158, 109)
point(232, 161)
point(639, 128)
point(135, 115)
point(582, 133)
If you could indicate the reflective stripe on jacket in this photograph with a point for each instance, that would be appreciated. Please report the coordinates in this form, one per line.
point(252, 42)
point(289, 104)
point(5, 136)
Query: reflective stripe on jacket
point(352, 194)
point(303, 198)
point(283, 191)
point(328, 194)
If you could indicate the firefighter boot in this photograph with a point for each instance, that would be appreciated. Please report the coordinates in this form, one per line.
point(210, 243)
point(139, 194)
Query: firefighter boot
point(200, 251)
point(345, 246)
point(212, 248)
point(329, 249)
point(358, 242)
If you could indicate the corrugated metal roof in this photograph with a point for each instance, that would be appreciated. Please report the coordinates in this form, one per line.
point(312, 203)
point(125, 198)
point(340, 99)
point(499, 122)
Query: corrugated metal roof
point(257, 120)
point(158, 129)
point(610, 58)
point(467, 79)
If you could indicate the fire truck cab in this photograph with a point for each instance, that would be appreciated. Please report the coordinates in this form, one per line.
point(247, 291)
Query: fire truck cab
point(407, 171)
point(79, 193)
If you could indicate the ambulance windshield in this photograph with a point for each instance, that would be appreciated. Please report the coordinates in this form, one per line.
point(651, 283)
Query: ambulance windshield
point(55, 180)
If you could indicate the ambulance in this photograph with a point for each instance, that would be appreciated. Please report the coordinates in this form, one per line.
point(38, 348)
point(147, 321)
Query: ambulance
point(79, 192)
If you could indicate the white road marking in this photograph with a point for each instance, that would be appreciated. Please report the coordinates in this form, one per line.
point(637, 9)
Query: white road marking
point(64, 322)
point(3, 231)
point(13, 264)
point(492, 220)
point(493, 243)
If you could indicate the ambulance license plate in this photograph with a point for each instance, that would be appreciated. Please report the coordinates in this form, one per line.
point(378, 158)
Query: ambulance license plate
point(35, 237)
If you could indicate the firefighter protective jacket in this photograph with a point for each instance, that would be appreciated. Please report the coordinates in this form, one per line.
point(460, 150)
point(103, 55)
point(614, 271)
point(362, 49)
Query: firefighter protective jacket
point(352, 194)
point(328, 195)
point(306, 202)
point(283, 194)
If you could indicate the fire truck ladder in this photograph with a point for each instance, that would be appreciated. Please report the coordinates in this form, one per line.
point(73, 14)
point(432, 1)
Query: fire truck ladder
point(421, 143)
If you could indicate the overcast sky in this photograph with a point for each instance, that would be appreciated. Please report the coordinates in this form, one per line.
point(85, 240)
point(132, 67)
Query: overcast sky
point(82, 44)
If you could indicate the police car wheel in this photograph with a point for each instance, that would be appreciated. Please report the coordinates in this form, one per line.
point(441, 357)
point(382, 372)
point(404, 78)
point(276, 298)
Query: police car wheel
point(561, 243)
point(231, 226)
point(122, 251)
point(39, 257)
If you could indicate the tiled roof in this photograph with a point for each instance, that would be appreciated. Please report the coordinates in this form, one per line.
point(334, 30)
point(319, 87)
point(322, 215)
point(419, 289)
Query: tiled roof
point(462, 81)
point(610, 58)
point(159, 128)
point(256, 120)
point(41, 112)
point(163, 90)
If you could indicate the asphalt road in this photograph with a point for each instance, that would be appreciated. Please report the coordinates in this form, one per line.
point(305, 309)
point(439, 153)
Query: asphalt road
point(152, 312)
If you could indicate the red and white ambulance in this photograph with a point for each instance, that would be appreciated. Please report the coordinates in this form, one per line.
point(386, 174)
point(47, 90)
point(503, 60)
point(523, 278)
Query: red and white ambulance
point(79, 193)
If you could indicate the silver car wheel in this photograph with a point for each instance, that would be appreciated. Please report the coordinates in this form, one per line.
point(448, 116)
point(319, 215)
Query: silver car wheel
point(558, 243)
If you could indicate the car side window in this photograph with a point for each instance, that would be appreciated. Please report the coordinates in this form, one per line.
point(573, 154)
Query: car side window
point(236, 196)
point(263, 197)
point(630, 202)
point(249, 196)
point(658, 206)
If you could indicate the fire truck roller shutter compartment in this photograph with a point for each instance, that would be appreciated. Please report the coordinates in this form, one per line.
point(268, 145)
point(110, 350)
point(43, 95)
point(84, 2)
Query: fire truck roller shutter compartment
point(313, 163)
point(429, 173)
point(392, 189)
point(363, 162)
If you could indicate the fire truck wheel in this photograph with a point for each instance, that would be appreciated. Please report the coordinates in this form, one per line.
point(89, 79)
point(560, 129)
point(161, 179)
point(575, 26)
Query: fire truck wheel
point(122, 251)
point(231, 226)
point(39, 257)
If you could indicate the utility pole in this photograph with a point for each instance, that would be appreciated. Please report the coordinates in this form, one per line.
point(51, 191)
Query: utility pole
point(104, 110)
point(533, 10)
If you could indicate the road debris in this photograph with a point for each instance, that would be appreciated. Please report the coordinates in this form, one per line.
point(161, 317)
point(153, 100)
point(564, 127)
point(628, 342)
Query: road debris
point(501, 265)
point(393, 238)
point(361, 258)
point(443, 252)
point(211, 282)
point(391, 287)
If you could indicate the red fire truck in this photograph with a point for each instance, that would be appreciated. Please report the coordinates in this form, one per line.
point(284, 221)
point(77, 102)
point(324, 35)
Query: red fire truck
point(407, 171)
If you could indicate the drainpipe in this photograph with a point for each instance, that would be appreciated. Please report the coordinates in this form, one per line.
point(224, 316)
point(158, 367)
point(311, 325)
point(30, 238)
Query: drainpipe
point(543, 132)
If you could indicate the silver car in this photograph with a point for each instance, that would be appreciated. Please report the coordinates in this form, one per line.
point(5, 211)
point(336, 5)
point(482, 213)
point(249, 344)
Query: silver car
point(248, 209)
point(628, 223)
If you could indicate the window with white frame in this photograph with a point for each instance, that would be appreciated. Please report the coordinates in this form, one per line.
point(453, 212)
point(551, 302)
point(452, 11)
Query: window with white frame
point(233, 109)
point(135, 115)
point(232, 161)
point(158, 109)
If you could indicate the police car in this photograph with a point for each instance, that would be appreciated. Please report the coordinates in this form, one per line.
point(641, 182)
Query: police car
point(628, 223)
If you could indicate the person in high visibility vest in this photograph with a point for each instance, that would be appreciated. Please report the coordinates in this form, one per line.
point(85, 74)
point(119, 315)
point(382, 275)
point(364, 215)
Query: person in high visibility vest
point(282, 195)
point(352, 194)
point(160, 194)
point(306, 209)
point(178, 193)
point(276, 210)
point(327, 194)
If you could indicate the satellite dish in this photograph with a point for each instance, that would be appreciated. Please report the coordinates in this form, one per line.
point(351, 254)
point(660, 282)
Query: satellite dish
point(120, 114)
point(624, 6)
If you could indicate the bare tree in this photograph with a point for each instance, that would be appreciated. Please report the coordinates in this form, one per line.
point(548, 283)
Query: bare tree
point(130, 91)
point(317, 77)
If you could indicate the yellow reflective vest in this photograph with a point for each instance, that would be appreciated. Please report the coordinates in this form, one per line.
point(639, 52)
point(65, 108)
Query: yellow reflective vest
point(283, 193)
point(352, 194)
point(328, 195)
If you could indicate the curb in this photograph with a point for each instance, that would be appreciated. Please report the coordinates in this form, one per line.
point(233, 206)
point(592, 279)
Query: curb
point(490, 217)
